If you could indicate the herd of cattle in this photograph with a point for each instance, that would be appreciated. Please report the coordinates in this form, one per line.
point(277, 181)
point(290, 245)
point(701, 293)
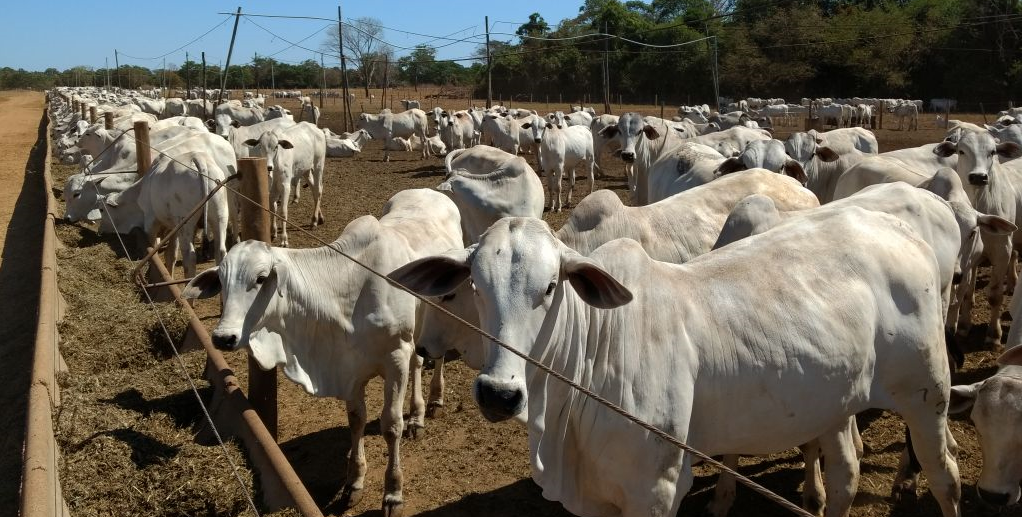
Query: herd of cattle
point(800, 282)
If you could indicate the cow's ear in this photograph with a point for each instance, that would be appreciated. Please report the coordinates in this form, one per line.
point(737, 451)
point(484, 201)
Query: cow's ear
point(650, 132)
point(730, 165)
point(795, 170)
point(1011, 357)
point(609, 131)
point(203, 285)
point(549, 125)
point(962, 397)
point(594, 285)
point(527, 125)
point(1009, 150)
point(826, 154)
point(945, 149)
point(437, 275)
point(279, 274)
point(995, 225)
point(286, 144)
point(251, 142)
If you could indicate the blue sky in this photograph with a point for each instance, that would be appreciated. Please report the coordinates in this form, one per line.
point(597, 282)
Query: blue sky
point(63, 34)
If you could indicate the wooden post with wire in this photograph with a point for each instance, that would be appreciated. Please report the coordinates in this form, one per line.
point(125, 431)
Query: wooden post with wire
point(344, 73)
point(143, 155)
point(84, 109)
point(489, 68)
point(92, 115)
point(108, 120)
point(255, 224)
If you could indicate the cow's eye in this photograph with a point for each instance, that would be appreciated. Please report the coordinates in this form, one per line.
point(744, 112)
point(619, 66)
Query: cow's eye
point(550, 288)
point(961, 152)
point(77, 195)
point(260, 279)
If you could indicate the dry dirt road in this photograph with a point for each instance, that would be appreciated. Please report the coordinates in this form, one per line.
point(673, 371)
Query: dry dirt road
point(22, 208)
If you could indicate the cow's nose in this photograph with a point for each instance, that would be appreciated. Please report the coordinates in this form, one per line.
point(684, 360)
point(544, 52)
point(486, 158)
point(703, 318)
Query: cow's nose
point(993, 498)
point(628, 157)
point(225, 342)
point(498, 403)
point(978, 179)
point(539, 140)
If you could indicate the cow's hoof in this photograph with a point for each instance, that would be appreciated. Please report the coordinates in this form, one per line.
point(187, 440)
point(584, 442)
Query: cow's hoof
point(320, 219)
point(350, 496)
point(813, 505)
point(435, 409)
point(905, 491)
point(413, 430)
point(393, 506)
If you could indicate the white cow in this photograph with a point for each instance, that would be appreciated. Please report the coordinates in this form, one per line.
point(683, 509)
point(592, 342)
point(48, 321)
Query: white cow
point(332, 325)
point(622, 323)
point(228, 116)
point(502, 132)
point(414, 143)
point(165, 197)
point(309, 113)
point(291, 154)
point(456, 129)
point(642, 143)
point(337, 147)
point(562, 150)
point(488, 184)
point(81, 192)
point(730, 142)
point(387, 125)
point(905, 110)
point(822, 163)
point(409, 104)
point(237, 136)
point(993, 188)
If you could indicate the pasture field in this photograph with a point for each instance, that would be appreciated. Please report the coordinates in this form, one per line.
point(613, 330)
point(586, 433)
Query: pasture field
point(129, 416)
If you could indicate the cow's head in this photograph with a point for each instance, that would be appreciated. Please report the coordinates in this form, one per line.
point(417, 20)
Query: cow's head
point(977, 155)
point(275, 148)
point(538, 126)
point(764, 154)
point(807, 149)
point(995, 407)
point(252, 279)
point(628, 130)
point(520, 271)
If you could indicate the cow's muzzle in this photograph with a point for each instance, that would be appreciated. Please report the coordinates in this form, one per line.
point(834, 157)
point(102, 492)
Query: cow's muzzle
point(498, 401)
point(226, 342)
point(994, 498)
point(979, 179)
point(628, 157)
point(538, 140)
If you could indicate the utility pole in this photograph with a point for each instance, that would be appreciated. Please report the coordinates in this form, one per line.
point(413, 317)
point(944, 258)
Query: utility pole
point(273, 82)
point(117, 63)
point(716, 77)
point(164, 85)
point(230, 49)
point(322, 83)
point(188, 79)
point(205, 112)
point(606, 70)
point(255, 72)
point(489, 68)
point(106, 65)
point(344, 72)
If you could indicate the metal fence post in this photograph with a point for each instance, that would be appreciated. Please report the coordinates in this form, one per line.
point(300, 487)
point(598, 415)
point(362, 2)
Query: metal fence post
point(255, 225)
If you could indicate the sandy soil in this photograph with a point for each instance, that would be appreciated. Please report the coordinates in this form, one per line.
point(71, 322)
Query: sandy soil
point(466, 466)
point(22, 209)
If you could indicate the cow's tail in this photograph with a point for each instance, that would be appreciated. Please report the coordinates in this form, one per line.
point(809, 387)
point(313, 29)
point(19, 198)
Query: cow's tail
point(203, 170)
point(450, 158)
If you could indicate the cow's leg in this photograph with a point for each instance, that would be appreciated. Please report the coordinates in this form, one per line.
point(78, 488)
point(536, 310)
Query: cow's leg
point(185, 240)
point(285, 192)
point(592, 175)
point(967, 297)
point(435, 401)
point(725, 490)
point(296, 188)
point(814, 497)
point(1009, 285)
point(354, 484)
point(1000, 257)
point(571, 184)
point(929, 442)
point(395, 382)
point(316, 179)
point(555, 193)
point(842, 470)
point(416, 419)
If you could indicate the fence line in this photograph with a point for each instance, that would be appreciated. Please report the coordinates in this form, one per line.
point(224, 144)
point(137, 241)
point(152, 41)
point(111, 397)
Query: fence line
point(41, 493)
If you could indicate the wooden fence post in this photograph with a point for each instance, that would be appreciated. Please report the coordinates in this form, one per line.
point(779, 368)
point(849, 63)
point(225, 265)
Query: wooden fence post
point(92, 114)
point(84, 110)
point(143, 155)
point(108, 120)
point(255, 225)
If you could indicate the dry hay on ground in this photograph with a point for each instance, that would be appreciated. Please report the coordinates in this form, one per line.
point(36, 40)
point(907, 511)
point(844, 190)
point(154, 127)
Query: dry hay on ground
point(463, 465)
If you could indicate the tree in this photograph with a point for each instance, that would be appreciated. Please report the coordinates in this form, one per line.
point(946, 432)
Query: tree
point(535, 27)
point(363, 41)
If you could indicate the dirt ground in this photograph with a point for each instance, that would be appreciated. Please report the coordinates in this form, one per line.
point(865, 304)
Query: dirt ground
point(22, 210)
point(463, 465)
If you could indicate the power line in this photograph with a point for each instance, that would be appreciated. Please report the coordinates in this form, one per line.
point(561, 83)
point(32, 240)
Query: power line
point(161, 56)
